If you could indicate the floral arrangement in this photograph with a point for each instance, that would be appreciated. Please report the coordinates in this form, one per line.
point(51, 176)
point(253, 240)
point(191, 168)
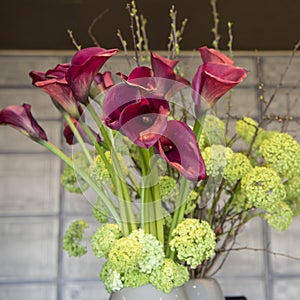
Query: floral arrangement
point(172, 190)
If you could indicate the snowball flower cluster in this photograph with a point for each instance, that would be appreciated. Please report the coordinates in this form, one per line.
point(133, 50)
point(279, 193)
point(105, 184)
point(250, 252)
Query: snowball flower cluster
point(131, 259)
point(222, 161)
point(104, 238)
point(282, 152)
point(194, 241)
point(247, 128)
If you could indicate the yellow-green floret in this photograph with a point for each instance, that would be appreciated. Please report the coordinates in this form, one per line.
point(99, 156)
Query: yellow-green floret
point(70, 180)
point(194, 241)
point(73, 238)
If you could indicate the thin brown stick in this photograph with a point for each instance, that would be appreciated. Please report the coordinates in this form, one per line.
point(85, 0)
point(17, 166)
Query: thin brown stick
point(262, 250)
point(272, 97)
point(216, 20)
point(70, 33)
point(92, 25)
point(131, 26)
point(281, 78)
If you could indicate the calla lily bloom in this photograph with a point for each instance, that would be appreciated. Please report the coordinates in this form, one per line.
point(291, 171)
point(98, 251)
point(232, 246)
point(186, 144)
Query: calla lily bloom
point(85, 64)
point(179, 147)
point(213, 55)
point(145, 121)
point(20, 117)
point(70, 138)
point(158, 79)
point(69, 84)
point(213, 80)
point(140, 116)
point(54, 83)
point(163, 67)
point(115, 100)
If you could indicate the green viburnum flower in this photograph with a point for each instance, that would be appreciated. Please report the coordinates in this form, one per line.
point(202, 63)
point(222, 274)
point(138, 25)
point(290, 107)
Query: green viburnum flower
point(110, 278)
point(169, 275)
point(292, 187)
point(125, 253)
point(263, 188)
point(167, 185)
point(73, 237)
point(215, 158)
point(100, 211)
point(134, 277)
point(70, 180)
point(280, 218)
point(213, 131)
point(193, 241)
point(222, 161)
point(98, 170)
point(282, 152)
point(246, 128)
point(152, 255)
point(237, 167)
point(105, 238)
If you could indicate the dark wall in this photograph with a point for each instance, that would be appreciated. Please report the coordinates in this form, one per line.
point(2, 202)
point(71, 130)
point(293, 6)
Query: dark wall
point(43, 24)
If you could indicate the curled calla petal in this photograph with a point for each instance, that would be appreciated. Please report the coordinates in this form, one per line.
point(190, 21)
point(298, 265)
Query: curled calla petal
point(70, 138)
point(179, 147)
point(85, 64)
point(115, 101)
point(213, 55)
point(159, 79)
point(145, 121)
point(20, 117)
point(53, 83)
point(163, 67)
point(104, 80)
point(213, 80)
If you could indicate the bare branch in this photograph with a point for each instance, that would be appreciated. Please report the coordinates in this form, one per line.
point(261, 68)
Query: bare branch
point(70, 33)
point(262, 250)
point(95, 20)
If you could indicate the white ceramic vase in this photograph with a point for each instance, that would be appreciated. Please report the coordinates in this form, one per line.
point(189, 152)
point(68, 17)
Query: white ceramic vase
point(148, 292)
point(204, 289)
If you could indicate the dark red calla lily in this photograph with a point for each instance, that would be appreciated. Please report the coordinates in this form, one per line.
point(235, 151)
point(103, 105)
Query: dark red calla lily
point(142, 117)
point(85, 64)
point(54, 83)
point(115, 101)
point(70, 138)
point(145, 121)
point(163, 67)
point(69, 84)
point(160, 78)
point(20, 117)
point(179, 147)
point(213, 80)
point(213, 55)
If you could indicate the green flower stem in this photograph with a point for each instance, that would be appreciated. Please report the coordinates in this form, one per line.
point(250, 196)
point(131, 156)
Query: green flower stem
point(158, 217)
point(183, 190)
point(98, 147)
point(113, 175)
point(144, 155)
point(179, 212)
point(151, 209)
point(78, 137)
point(119, 178)
point(86, 177)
